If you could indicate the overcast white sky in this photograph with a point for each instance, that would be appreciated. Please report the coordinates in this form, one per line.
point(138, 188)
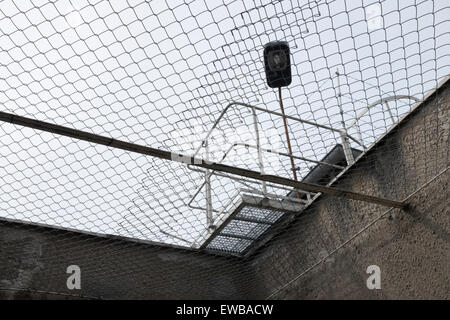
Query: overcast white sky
point(158, 73)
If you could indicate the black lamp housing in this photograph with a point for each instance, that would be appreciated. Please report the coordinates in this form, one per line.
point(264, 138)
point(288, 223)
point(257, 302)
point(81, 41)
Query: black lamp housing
point(277, 63)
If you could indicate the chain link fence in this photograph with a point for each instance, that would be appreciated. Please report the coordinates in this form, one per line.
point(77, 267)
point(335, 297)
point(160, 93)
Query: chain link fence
point(188, 77)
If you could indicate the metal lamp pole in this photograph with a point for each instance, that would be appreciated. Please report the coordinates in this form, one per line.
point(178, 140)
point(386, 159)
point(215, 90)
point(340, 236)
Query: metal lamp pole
point(294, 171)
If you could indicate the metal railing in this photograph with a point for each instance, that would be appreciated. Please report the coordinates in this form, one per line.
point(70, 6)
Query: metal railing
point(343, 133)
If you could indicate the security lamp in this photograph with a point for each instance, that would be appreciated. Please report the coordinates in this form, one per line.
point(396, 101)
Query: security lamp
point(277, 64)
point(278, 73)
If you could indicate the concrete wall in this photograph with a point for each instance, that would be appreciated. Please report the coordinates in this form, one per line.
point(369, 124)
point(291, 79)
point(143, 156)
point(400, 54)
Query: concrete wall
point(411, 247)
point(36, 258)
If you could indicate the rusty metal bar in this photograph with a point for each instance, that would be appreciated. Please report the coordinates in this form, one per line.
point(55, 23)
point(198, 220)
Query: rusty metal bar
point(288, 140)
point(167, 155)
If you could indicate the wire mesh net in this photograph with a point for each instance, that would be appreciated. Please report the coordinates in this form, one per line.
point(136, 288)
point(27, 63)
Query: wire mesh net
point(189, 77)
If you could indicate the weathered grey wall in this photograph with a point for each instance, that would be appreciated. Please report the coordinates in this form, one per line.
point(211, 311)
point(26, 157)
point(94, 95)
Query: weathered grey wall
point(411, 247)
point(36, 258)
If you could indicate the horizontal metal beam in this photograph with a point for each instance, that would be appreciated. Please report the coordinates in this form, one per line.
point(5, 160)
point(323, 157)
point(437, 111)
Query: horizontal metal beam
point(167, 155)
